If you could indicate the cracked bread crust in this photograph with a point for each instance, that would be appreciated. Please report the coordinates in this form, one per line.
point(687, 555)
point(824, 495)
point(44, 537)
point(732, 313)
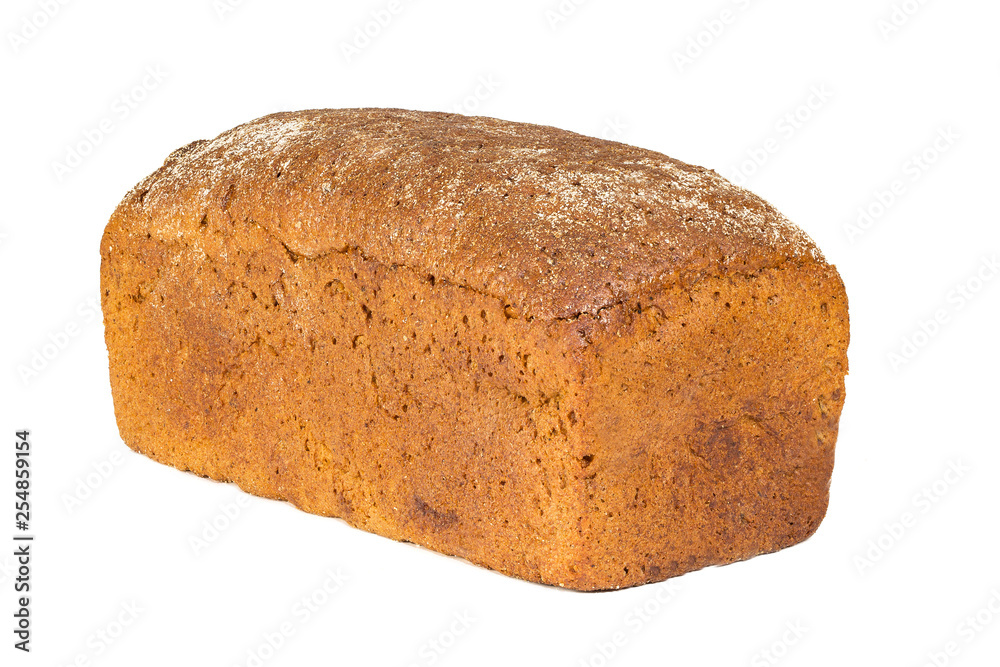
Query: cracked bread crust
point(554, 223)
point(570, 360)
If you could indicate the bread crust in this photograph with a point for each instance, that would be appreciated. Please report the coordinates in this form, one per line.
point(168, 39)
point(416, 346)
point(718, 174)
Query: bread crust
point(570, 360)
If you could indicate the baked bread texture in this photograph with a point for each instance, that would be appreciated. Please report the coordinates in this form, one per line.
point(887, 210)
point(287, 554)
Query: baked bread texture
point(570, 360)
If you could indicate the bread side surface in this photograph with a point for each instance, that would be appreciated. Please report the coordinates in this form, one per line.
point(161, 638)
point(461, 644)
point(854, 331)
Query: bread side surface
point(416, 410)
point(710, 422)
point(442, 329)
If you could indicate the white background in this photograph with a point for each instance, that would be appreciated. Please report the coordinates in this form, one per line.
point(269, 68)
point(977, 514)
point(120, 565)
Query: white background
point(114, 528)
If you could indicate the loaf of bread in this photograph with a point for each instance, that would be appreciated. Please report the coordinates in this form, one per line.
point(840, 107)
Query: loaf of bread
point(567, 359)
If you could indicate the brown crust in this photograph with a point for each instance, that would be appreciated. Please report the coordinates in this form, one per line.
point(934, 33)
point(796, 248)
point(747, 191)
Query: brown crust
point(553, 223)
point(571, 360)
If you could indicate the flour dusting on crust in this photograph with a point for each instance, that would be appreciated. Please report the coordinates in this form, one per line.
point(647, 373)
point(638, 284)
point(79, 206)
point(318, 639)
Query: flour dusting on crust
point(554, 223)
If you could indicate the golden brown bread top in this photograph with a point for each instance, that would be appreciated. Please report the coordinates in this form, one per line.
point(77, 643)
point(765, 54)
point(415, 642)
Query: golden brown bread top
point(553, 223)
